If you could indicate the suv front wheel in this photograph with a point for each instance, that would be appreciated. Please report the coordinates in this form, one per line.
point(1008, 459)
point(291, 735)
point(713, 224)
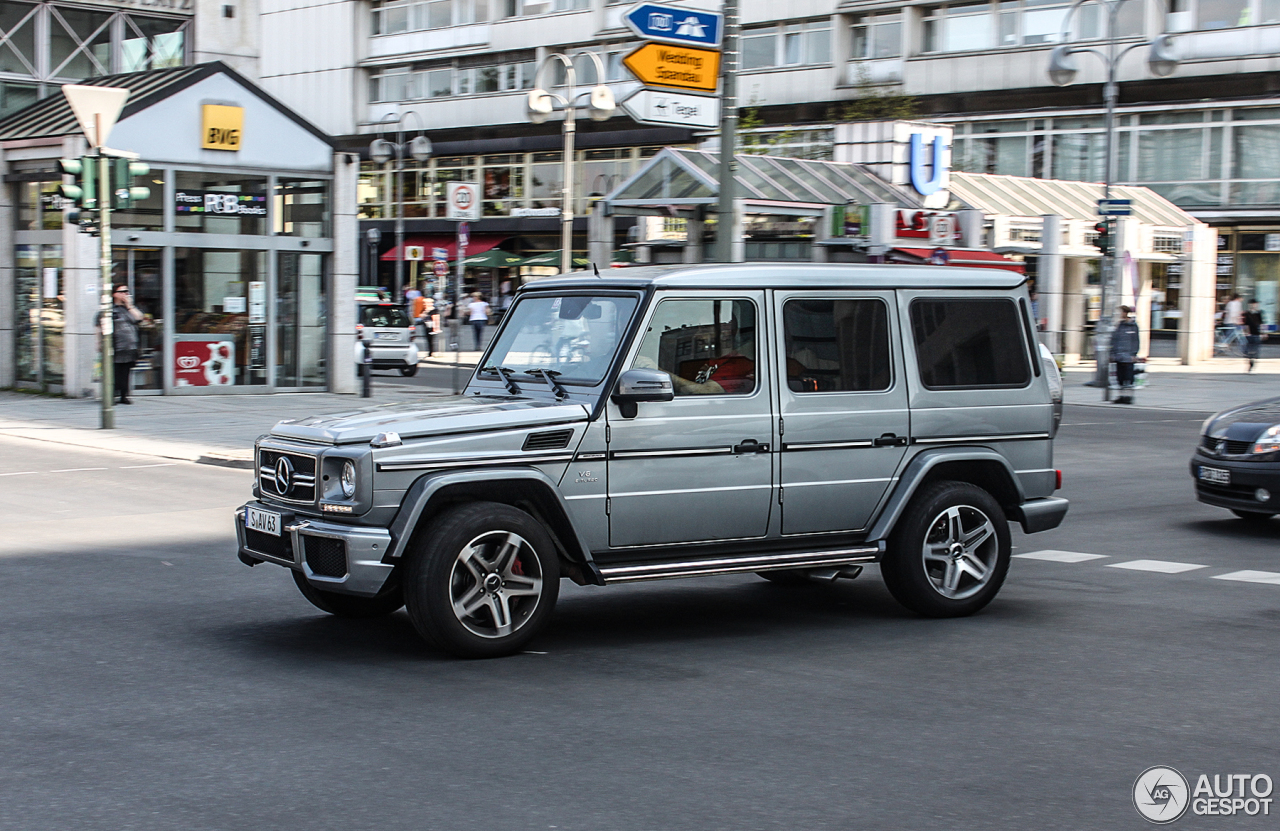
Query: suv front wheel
point(482, 581)
point(949, 554)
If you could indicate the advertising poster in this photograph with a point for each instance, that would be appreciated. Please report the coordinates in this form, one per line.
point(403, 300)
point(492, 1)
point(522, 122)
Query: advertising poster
point(204, 363)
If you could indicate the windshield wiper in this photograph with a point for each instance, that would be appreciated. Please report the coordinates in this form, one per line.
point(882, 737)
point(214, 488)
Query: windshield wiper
point(549, 375)
point(505, 374)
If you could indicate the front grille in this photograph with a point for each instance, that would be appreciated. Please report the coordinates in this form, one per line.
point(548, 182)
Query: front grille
point(299, 485)
point(281, 546)
point(326, 556)
point(550, 440)
point(1232, 448)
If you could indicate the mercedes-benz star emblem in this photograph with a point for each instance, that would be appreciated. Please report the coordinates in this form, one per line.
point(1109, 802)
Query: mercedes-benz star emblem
point(284, 476)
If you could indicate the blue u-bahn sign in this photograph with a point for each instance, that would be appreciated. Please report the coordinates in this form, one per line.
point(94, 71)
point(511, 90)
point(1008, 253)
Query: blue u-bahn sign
point(672, 24)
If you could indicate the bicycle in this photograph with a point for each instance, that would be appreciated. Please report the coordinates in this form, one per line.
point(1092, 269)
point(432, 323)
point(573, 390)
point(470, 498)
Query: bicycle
point(1230, 341)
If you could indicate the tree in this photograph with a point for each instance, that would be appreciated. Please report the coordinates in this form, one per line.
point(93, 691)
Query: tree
point(876, 102)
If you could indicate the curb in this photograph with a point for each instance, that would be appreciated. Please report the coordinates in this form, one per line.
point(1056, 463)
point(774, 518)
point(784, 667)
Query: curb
point(232, 460)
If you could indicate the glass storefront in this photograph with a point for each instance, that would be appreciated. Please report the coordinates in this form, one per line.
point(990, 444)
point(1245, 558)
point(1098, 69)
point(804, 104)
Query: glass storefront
point(38, 315)
point(220, 318)
point(142, 270)
point(301, 320)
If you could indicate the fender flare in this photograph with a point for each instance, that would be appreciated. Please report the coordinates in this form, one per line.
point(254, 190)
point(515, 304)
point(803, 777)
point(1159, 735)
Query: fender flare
point(425, 488)
point(918, 469)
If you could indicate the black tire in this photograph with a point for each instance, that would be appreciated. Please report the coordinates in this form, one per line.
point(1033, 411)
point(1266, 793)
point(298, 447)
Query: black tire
point(349, 605)
point(918, 580)
point(1252, 516)
point(790, 578)
point(481, 554)
point(409, 371)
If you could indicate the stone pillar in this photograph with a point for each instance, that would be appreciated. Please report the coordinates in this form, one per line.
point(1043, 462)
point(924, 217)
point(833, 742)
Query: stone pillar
point(81, 276)
point(1195, 337)
point(693, 242)
point(1049, 282)
point(1142, 311)
point(972, 224)
point(600, 236)
point(881, 232)
point(7, 334)
point(1072, 311)
point(739, 248)
point(346, 274)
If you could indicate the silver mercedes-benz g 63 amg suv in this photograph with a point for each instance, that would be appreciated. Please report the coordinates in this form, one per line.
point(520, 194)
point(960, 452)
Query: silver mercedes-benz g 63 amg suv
point(796, 421)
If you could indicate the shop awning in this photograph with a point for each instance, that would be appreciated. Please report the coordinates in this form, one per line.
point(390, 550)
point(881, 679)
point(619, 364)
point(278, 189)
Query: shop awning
point(551, 259)
point(478, 244)
point(493, 258)
point(968, 257)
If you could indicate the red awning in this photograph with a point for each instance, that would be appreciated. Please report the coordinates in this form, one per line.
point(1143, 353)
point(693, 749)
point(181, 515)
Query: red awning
point(968, 257)
point(478, 244)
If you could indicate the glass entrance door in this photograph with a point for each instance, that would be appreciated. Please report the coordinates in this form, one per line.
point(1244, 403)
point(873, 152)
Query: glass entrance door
point(300, 320)
point(220, 318)
point(38, 315)
point(142, 269)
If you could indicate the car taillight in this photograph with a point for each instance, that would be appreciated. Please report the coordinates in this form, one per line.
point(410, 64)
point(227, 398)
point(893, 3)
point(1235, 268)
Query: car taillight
point(1057, 484)
point(359, 328)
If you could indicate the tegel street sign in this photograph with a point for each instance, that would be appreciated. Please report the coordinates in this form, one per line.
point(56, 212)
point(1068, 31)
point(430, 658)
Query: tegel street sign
point(690, 27)
point(660, 65)
point(1115, 207)
point(653, 106)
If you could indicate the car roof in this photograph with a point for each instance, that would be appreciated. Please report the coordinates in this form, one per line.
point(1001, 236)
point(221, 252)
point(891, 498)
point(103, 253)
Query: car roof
point(787, 275)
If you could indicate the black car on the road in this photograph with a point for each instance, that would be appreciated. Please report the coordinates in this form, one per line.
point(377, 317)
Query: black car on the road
point(1237, 462)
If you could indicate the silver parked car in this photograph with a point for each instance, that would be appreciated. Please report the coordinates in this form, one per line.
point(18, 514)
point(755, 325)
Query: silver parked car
point(796, 421)
point(388, 332)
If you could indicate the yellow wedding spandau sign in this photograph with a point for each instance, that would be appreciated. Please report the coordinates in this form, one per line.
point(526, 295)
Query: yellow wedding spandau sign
point(221, 127)
point(661, 65)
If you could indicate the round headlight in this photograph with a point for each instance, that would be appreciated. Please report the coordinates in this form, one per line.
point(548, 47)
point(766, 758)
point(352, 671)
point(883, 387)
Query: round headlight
point(348, 479)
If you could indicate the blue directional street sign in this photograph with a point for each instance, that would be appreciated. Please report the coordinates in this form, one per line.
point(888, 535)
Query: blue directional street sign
point(1115, 207)
point(672, 24)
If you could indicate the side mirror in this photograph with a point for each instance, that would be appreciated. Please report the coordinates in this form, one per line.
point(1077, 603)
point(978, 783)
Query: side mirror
point(637, 385)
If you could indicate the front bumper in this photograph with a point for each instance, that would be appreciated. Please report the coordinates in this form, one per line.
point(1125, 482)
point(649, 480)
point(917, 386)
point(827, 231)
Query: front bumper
point(333, 557)
point(1246, 479)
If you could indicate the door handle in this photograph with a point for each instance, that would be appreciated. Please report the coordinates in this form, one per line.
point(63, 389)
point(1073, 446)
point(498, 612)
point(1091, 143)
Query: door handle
point(750, 446)
point(890, 440)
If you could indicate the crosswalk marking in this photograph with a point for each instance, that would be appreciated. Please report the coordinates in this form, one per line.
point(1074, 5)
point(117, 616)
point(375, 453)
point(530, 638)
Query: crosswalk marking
point(1161, 566)
point(1269, 577)
point(1061, 556)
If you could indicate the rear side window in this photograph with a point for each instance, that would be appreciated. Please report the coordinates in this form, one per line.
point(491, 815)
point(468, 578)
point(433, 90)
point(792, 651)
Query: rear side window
point(966, 344)
point(836, 345)
point(384, 317)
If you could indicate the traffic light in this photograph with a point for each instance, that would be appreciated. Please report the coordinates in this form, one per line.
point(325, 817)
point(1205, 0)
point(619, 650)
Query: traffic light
point(1103, 242)
point(84, 192)
point(123, 172)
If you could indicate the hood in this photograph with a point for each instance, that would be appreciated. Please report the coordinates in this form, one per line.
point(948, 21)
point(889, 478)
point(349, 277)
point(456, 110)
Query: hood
point(458, 415)
point(1244, 423)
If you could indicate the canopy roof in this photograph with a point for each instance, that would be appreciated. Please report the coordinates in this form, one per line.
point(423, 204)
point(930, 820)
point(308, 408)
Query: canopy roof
point(1022, 196)
point(681, 179)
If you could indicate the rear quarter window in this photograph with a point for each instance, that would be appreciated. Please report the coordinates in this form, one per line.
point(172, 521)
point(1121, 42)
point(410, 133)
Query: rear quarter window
point(969, 344)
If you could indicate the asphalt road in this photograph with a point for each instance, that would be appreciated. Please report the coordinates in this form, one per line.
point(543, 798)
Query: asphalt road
point(150, 681)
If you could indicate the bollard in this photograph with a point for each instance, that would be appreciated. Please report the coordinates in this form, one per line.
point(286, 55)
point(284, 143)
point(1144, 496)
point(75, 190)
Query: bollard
point(366, 368)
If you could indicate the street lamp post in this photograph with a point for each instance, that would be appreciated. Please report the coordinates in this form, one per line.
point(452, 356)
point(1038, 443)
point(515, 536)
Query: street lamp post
point(382, 151)
point(600, 106)
point(1162, 61)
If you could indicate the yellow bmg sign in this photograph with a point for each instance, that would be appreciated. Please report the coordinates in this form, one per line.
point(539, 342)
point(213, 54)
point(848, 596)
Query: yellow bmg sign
point(221, 127)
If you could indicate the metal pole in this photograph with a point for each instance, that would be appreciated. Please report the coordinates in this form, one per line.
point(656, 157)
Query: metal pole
point(104, 264)
point(566, 213)
point(728, 134)
point(1110, 92)
point(398, 297)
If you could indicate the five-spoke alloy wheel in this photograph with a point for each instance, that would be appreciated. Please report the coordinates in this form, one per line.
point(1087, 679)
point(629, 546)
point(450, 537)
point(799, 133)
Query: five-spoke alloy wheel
point(950, 552)
point(484, 580)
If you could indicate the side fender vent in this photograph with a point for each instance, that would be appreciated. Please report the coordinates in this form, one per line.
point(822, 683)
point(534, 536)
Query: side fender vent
point(550, 440)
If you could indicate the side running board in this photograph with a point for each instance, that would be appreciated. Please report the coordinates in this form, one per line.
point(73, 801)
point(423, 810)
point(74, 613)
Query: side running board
point(733, 565)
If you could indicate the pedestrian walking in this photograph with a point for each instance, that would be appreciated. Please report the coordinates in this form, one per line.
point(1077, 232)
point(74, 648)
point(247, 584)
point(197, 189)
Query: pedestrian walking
point(125, 340)
point(1233, 312)
point(1253, 332)
point(478, 312)
point(1124, 351)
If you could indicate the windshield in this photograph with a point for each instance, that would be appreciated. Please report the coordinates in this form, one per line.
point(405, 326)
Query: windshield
point(573, 335)
point(384, 317)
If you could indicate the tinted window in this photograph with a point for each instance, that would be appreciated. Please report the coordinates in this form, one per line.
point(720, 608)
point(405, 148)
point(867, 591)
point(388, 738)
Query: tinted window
point(708, 347)
point(969, 343)
point(836, 345)
point(384, 317)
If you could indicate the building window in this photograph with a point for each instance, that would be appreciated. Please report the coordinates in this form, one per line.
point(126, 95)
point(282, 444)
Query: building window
point(302, 208)
point(877, 36)
point(18, 25)
point(959, 28)
point(789, 44)
point(79, 43)
point(221, 203)
point(152, 43)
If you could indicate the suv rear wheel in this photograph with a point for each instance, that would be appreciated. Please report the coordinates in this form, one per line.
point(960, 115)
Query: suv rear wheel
point(483, 581)
point(949, 554)
point(349, 605)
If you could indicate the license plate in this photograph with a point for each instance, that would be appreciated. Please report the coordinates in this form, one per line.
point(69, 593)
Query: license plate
point(1216, 475)
point(386, 336)
point(264, 522)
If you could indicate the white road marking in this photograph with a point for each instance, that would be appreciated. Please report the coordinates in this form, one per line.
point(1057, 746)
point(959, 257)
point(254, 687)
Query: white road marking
point(20, 473)
point(76, 469)
point(1269, 577)
point(162, 464)
point(1161, 566)
point(1061, 556)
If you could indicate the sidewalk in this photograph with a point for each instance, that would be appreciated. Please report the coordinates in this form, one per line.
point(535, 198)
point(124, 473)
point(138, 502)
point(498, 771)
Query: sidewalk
point(221, 429)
